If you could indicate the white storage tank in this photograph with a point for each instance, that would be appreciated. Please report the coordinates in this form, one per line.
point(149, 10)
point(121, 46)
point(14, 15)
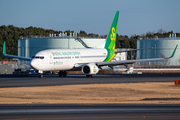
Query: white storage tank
point(29, 46)
point(161, 47)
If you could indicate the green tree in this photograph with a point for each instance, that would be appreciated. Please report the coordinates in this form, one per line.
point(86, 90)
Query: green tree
point(82, 33)
point(126, 43)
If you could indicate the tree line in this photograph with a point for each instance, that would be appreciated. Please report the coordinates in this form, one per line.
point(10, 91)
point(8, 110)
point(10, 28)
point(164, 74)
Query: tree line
point(11, 34)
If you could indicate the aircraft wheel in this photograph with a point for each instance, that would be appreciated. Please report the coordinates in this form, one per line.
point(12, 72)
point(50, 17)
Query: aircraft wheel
point(90, 76)
point(60, 73)
point(64, 74)
point(40, 75)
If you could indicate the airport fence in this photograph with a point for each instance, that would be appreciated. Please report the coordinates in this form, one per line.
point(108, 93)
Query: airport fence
point(12, 65)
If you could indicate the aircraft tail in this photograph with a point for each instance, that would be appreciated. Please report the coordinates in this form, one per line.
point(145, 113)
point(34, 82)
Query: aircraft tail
point(111, 39)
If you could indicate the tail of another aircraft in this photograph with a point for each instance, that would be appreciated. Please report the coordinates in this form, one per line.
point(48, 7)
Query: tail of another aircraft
point(111, 39)
point(4, 48)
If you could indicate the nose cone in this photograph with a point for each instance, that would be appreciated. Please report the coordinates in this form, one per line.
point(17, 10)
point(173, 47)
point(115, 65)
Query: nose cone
point(33, 63)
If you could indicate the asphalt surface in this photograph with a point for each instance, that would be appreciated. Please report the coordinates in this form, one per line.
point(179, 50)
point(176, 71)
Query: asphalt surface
point(52, 80)
point(87, 112)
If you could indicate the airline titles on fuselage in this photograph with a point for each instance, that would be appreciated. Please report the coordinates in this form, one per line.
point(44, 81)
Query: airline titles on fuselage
point(73, 53)
point(65, 53)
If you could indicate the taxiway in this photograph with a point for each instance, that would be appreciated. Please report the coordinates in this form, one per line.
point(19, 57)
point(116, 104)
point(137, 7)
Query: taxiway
point(87, 112)
point(51, 80)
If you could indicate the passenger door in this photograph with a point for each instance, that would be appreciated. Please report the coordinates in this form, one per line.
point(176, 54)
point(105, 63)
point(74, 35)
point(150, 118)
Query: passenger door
point(50, 59)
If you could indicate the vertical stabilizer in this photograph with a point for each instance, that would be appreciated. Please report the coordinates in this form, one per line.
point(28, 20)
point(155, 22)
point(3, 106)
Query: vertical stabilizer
point(111, 39)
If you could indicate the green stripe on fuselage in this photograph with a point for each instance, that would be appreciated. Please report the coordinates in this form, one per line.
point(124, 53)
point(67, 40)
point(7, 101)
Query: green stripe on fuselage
point(110, 55)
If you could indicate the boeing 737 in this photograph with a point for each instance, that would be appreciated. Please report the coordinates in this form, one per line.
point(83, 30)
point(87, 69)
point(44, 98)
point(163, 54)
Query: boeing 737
point(89, 60)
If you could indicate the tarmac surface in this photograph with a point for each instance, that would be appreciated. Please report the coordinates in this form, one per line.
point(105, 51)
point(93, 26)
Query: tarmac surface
point(87, 112)
point(51, 80)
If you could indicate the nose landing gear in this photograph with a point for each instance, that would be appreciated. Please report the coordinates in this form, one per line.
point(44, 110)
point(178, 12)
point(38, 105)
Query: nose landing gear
point(40, 74)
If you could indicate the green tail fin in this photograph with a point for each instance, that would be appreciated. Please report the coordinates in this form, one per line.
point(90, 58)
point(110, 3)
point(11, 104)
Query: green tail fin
point(111, 39)
point(4, 48)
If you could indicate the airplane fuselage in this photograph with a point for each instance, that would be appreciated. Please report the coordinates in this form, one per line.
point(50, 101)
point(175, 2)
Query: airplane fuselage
point(66, 59)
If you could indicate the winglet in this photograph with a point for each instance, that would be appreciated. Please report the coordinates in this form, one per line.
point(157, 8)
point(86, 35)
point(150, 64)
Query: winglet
point(174, 51)
point(4, 48)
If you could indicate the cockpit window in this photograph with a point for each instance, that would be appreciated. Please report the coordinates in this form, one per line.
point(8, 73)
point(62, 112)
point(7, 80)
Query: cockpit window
point(38, 57)
point(41, 57)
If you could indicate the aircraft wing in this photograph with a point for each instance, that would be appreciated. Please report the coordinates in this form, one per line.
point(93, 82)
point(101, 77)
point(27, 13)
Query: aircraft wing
point(113, 63)
point(17, 57)
point(14, 56)
point(124, 62)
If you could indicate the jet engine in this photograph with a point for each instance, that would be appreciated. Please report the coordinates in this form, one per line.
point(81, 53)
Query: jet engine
point(90, 69)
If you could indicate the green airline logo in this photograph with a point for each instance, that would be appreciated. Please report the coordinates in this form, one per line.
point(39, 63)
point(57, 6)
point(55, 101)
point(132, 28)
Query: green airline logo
point(95, 69)
point(58, 63)
point(113, 35)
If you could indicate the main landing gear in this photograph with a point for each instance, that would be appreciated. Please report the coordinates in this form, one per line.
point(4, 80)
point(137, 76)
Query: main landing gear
point(62, 74)
point(90, 76)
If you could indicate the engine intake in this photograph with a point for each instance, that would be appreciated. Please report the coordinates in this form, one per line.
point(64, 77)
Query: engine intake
point(90, 69)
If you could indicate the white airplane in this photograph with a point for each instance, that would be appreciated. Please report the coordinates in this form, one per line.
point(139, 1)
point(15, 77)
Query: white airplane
point(89, 60)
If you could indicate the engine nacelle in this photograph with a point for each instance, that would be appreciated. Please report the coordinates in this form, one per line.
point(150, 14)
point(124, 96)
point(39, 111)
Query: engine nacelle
point(90, 69)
